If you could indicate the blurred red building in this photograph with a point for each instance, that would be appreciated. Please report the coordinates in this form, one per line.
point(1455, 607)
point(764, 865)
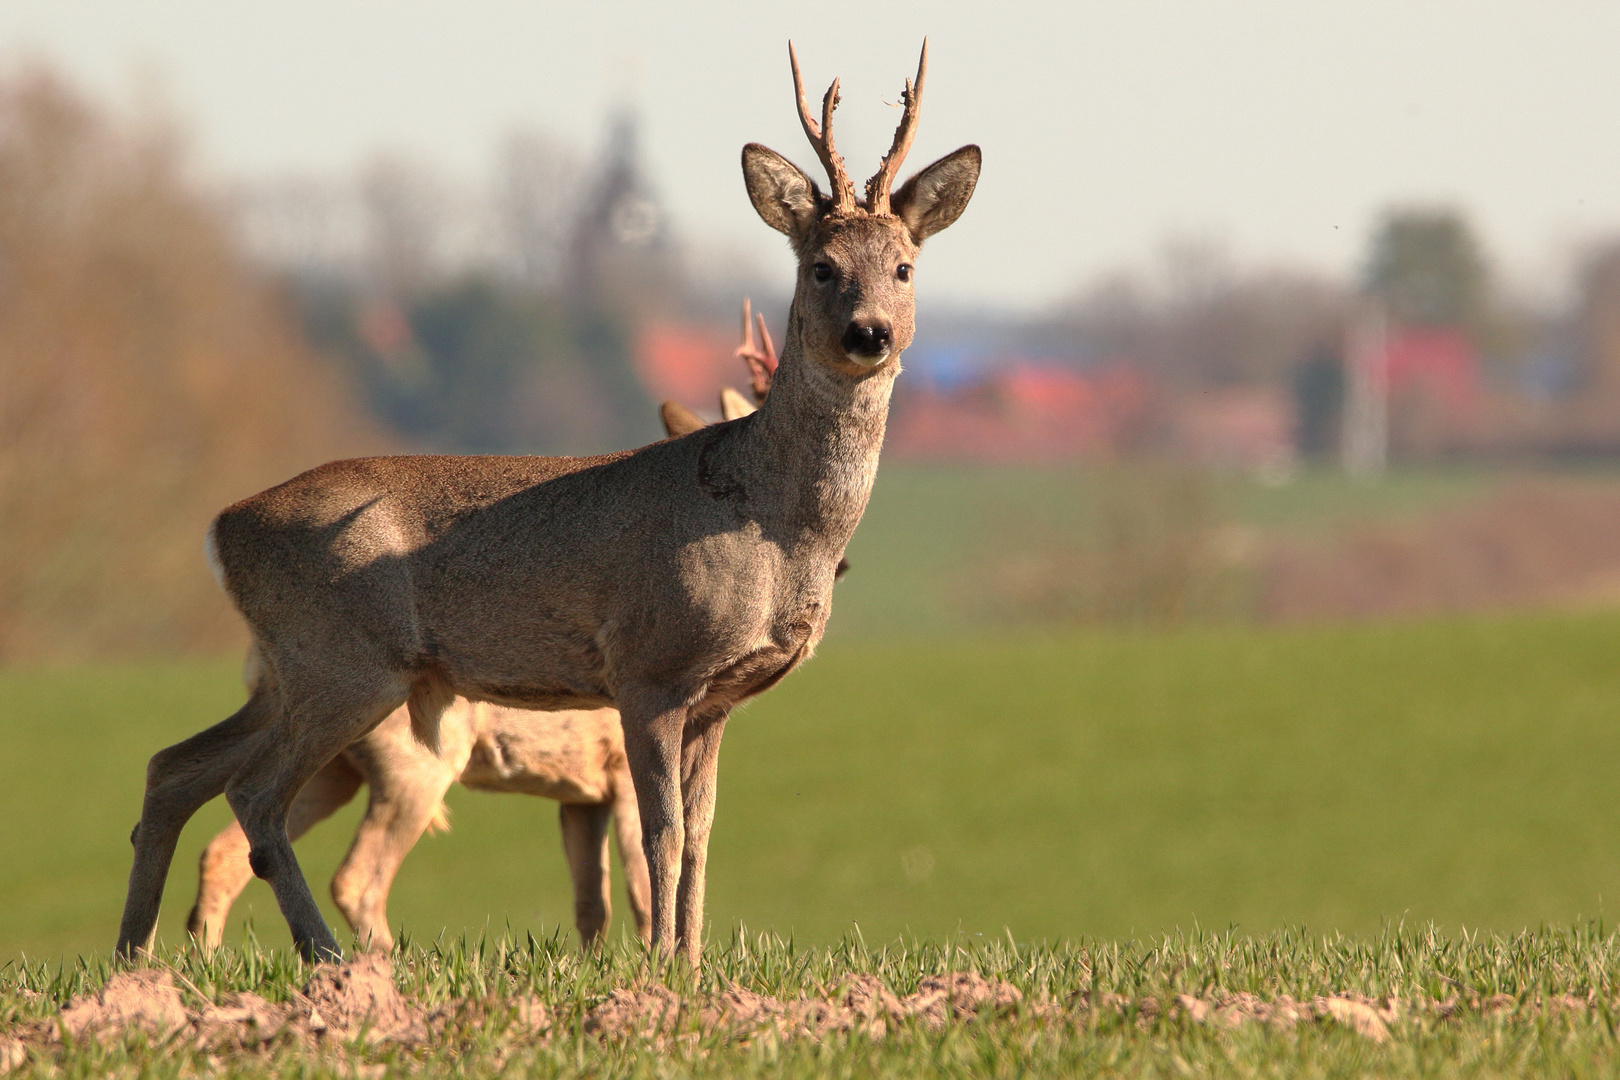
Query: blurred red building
point(688, 362)
point(1438, 362)
point(1023, 411)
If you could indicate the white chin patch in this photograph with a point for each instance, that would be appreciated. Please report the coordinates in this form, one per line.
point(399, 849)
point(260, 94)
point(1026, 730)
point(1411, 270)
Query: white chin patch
point(866, 359)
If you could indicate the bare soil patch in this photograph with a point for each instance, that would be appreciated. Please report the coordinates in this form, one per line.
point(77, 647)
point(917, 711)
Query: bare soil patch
point(862, 1003)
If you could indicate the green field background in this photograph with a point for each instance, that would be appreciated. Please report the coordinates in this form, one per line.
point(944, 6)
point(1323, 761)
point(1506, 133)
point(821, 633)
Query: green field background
point(1111, 784)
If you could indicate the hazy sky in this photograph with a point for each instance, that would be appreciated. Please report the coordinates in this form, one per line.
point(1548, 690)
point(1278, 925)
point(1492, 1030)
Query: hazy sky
point(1281, 128)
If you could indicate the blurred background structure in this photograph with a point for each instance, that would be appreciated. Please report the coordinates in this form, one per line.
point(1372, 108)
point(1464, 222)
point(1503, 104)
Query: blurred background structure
point(199, 300)
point(1263, 314)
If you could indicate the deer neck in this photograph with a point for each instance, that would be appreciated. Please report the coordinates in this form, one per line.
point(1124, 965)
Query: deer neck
point(816, 440)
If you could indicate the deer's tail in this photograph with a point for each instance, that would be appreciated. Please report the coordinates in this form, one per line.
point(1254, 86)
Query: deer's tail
point(430, 696)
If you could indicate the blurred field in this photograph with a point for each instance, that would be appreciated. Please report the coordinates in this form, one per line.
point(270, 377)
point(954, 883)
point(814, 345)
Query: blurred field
point(956, 548)
point(1103, 784)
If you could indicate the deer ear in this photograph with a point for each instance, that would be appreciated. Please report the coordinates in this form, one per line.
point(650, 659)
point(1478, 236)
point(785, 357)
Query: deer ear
point(785, 197)
point(733, 406)
point(935, 197)
point(678, 419)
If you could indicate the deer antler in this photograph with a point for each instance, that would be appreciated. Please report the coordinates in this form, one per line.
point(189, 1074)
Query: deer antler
point(761, 359)
point(843, 191)
point(877, 188)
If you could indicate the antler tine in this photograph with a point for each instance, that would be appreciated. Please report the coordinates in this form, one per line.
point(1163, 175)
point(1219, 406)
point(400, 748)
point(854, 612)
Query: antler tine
point(760, 357)
point(767, 347)
point(877, 188)
point(843, 191)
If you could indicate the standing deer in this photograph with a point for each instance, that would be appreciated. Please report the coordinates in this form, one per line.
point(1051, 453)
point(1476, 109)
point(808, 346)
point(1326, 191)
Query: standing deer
point(575, 757)
point(672, 581)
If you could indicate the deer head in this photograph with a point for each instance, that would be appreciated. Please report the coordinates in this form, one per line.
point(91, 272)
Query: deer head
point(853, 300)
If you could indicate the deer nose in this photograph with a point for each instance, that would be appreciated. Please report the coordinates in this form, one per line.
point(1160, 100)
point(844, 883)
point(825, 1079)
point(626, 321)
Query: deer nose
point(868, 338)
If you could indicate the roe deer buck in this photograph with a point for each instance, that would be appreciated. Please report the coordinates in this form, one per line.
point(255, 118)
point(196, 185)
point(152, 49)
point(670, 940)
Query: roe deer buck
point(576, 757)
point(672, 581)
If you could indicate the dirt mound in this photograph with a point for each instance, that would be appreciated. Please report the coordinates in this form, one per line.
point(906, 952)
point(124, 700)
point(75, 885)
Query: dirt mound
point(359, 996)
point(143, 1000)
point(1363, 1015)
point(240, 1020)
point(867, 997)
point(1359, 1016)
point(358, 1000)
point(960, 995)
point(340, 1001)
point(12, 1053)
point(864, 1003)
point(635, 1012)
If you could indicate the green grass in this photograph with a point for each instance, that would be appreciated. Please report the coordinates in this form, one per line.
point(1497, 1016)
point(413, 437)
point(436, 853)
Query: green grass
point(1111, 785)
point(1418, 966)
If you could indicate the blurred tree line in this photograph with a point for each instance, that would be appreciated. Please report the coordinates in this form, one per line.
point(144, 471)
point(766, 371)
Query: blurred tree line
point(500, 321)
point(1548, 376)
point(148, 378)
point(166, 348)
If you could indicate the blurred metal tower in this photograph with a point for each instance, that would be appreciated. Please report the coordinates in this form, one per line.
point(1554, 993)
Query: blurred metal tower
point(1365, 446)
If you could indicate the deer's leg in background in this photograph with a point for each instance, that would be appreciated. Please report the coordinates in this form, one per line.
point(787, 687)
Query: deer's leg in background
point(178, 781)
point(653, 722)
point(407, 782)
point(627, 833)
point(700, 769)
point(223, 871)
point(584, 837)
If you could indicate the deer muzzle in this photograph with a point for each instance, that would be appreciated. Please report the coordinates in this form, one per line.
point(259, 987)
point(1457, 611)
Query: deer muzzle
point(868, 341)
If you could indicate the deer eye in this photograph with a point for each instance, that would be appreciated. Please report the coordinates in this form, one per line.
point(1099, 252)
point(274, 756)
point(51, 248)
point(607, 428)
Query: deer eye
point(903, 271)
point(821, 272)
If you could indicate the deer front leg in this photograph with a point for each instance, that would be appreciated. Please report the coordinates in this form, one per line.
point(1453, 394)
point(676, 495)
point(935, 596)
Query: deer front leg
point(584, 837)
point(653, 724)
point(223, 871)
point(700, 767)
point(627, 833)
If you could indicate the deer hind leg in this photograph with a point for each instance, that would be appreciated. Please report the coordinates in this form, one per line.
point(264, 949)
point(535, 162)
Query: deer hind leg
point(700, 767)
point(652, 742)
point(179, 780)
point(223, 871)
point(627, 833)
point(584, 837)
point(315, 725)
point(408, 783)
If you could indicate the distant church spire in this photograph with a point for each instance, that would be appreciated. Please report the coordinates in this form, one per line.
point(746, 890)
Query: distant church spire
point(621, 244)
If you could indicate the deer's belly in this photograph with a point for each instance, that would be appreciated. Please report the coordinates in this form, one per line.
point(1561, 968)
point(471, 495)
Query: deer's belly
point(550, 760)
point(524, 663)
